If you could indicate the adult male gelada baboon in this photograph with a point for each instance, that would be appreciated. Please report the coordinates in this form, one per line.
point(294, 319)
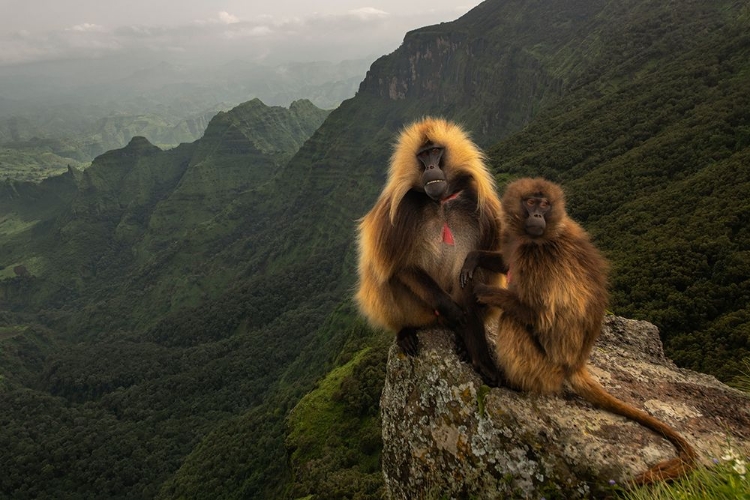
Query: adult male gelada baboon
point(439, 203)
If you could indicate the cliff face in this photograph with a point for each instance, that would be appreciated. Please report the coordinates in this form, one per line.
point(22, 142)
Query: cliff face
point(485, 80)
point(445, 432)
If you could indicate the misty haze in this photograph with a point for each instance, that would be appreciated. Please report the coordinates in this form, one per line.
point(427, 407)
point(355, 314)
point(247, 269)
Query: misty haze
point(78, 82)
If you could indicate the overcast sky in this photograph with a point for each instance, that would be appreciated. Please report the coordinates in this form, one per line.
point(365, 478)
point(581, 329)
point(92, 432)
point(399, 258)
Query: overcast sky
point(213, 30)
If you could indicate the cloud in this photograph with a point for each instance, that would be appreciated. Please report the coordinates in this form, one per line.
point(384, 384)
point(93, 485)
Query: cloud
point(366, 13)
point(357, 33)
point(249, 32)
point(222, 18)
point(80, 41)
point(227, 18)
point(86, 27)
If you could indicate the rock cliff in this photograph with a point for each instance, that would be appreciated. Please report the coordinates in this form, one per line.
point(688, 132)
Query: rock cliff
point(445, 434)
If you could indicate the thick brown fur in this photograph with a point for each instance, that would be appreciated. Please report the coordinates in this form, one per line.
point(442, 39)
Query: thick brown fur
point(553, 310)
point(408, 274)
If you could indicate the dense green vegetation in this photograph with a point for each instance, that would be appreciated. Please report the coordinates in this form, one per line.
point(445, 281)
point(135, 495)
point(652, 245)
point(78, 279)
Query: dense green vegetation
point(190, 345)
point(333, 433)
point(654, 158)
point(177, 324)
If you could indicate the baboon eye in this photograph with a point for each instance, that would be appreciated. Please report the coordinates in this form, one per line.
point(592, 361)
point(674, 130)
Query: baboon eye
point(544, 203)
point(530, 202)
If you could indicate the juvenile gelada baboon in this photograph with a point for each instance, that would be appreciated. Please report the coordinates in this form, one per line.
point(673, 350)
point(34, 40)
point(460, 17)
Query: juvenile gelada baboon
point(554, 306)
point(439, 203)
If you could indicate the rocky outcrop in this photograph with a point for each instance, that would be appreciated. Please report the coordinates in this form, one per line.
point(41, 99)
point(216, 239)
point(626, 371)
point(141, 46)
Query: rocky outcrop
point(445, 434)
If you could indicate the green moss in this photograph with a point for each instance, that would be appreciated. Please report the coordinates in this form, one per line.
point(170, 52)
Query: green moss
point(314, 416)
point(481, 395)
point(334, 431)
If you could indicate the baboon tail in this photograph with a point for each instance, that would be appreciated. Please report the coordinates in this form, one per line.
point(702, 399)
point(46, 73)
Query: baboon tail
point(589, 389)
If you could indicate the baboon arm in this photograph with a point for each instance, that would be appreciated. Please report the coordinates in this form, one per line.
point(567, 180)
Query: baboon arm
point(485, 259)
point(507, 301)
point(423, 286)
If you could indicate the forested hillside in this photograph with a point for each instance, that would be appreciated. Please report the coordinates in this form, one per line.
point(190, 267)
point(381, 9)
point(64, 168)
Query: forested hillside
point(654, 150)
point(108, 331)
point(166, 314)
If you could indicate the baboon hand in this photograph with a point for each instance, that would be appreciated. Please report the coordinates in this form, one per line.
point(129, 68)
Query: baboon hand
point(467, 271)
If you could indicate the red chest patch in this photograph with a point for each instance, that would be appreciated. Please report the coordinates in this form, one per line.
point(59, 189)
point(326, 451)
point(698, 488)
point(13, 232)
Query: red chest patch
point(447, 235)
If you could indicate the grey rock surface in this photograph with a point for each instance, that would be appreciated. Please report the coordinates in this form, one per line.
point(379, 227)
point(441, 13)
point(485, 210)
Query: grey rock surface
point(446, 435)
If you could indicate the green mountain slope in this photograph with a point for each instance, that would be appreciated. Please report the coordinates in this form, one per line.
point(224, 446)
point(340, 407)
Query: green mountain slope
point(653, 151)
point(138, 206)
point(106, 265)
point(112, 132)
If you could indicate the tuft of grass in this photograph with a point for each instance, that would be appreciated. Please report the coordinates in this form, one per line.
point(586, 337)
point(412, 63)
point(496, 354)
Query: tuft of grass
point(727, 479)
point(742, 381)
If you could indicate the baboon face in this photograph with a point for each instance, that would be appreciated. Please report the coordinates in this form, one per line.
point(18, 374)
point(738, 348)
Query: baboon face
point(536, 208)
point(436, 158)
point(434, 181)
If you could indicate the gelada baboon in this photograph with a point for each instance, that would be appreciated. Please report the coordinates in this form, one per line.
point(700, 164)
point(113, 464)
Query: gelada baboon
point(554, 306)
point(438, 204)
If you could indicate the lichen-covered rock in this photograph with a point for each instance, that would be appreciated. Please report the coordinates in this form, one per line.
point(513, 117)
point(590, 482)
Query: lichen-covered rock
point(446, 435)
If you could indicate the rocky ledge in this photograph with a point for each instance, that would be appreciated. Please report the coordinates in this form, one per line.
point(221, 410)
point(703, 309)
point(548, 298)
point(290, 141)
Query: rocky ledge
point(446, 435)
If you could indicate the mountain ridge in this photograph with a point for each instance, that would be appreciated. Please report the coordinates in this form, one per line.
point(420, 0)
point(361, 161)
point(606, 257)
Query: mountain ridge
point(130, 194)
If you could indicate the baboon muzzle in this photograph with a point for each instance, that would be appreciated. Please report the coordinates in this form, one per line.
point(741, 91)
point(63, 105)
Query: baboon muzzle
point(433, 177)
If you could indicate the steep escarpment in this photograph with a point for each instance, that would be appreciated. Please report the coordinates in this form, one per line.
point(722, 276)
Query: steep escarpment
point(478, 70)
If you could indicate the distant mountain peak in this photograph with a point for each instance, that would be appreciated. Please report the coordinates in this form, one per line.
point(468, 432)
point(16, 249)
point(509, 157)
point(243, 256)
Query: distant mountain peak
point(141, 145)
point(302, 103)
